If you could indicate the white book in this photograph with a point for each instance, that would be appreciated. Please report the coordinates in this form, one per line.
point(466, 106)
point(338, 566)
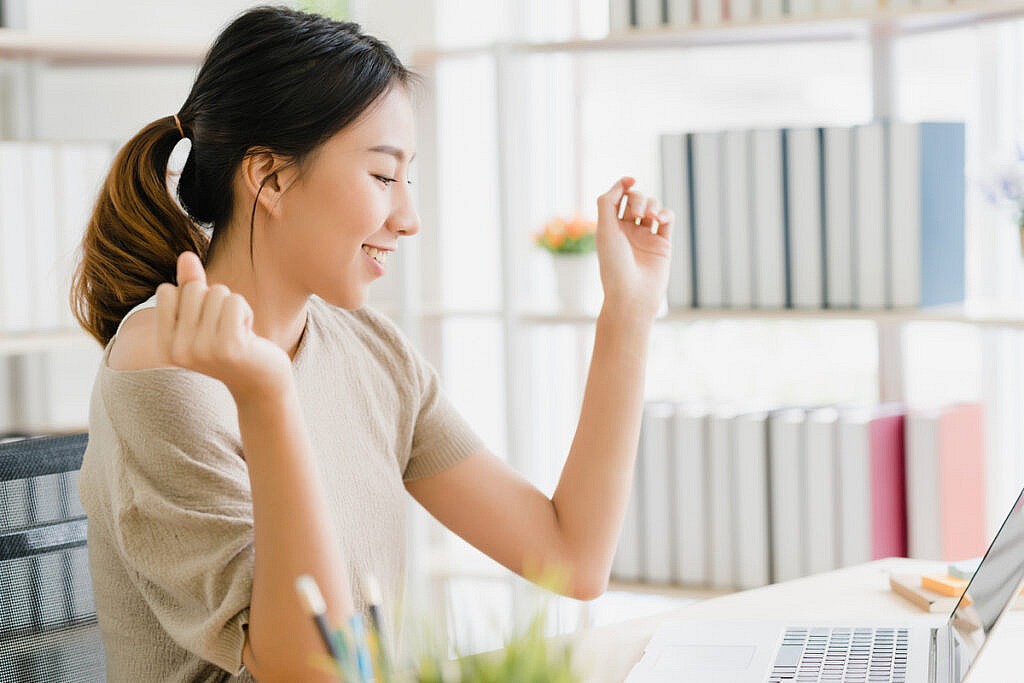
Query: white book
point(768, 224)
point(830, 8)
point(15, 227)
point(691, 488)
point(741, 11)
point(627, 564)
point(722, 527)
point(838, 163)
point(926, 214)
point(803, 194)
point(738, 238)
point(870, 226)
point(680, 13)
point(658, 517)
point(862, 6)
point(706, 174)
point(853, 469)
point(49, 296)
point(675, 192)
point(770, 10)
point(6, 407)
point(750, 491)
point(820, 490)
point(802, 8)
point(649, 13)
point(788, 507)
point(709, 12)
point(924, 533)
point(81, 170)
point(619, 15)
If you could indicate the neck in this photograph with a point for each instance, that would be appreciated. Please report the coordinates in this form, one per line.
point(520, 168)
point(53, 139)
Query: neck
point(279, 312)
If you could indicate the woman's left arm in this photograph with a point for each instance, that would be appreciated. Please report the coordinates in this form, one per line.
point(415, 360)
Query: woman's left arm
point(575, 532)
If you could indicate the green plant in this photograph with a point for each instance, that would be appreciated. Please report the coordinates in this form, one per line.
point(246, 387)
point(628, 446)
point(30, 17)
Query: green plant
point(575, 236)
point(335, 9)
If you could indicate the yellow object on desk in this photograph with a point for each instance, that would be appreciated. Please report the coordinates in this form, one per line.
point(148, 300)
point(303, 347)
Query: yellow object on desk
point(944, 585)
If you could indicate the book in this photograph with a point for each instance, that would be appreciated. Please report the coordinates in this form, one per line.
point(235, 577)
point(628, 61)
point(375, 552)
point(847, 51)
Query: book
point(909, 586)
point(750, 493)
point(657, 513)
point(804, 217)
point(15, 227)
point(620, 16)
point(710, 12)
point(737, 239)
point(946, 482)
point(870, 224)
point(722, 503)
point(837, 165)
point(692, 557)
point(649, 13)
point(820, 547)
point(926, 209)
point(768, 220)
point(741, 11)
point(872, 520)
point(706, 175)
point(48, 295)
point(627, 563)
point(787, 505)
point(680, 13)
point(770, 10)
point(675, 192)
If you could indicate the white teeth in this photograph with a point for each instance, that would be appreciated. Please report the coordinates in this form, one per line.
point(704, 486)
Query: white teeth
point(378, 255)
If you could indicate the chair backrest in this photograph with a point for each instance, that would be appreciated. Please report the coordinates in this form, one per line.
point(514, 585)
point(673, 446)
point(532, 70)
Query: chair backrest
point(48, 629)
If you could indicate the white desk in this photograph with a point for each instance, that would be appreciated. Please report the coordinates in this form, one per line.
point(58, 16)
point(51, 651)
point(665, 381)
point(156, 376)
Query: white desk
point(606, 654)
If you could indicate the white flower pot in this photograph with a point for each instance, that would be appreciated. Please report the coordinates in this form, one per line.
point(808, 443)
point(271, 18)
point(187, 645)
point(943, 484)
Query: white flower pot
point(578, 282)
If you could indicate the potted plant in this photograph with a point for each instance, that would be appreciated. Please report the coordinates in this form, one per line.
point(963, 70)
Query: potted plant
point(573, 251)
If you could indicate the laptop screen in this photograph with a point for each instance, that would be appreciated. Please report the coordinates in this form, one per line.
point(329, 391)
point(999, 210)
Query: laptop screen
point(993, 588)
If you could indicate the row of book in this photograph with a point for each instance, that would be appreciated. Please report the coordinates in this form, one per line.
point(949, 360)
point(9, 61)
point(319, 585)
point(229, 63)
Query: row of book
point(731, 499)
point(869, 216)
point(625, 15)
point(47, 192)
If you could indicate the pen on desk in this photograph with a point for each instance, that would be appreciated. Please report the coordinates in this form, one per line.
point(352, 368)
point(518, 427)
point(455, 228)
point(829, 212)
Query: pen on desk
point(375, 633)
point(314, 603)
point(363, 660)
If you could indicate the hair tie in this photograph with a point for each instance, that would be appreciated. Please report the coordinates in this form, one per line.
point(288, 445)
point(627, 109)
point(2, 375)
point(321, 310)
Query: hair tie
point(177, 121)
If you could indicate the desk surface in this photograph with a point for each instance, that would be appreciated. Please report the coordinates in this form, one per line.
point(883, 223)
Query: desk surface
point(606, 654)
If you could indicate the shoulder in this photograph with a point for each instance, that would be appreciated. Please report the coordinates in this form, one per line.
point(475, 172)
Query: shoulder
point(136, 347)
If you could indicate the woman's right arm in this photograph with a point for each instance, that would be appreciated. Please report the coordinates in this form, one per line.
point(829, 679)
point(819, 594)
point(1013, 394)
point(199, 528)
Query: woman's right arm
point(209, 330)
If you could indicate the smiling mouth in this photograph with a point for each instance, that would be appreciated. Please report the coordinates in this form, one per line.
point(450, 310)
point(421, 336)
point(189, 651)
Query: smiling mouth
point(378, 255)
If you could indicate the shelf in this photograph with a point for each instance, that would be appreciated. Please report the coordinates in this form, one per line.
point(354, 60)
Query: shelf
point(840, 27)
point(33, 342)
point(20, 44)
point(952, 315)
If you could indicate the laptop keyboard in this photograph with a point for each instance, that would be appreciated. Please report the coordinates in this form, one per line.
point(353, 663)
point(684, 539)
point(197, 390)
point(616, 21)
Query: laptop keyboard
point(849, 655)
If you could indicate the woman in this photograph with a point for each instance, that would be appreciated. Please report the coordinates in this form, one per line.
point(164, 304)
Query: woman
point(254, 421)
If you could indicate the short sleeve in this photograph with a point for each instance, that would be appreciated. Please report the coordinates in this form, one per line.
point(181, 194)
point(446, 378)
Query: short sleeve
point(441, 436)
point(182, 508)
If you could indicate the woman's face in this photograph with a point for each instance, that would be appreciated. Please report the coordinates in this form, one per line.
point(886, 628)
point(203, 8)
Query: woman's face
point(343, 216)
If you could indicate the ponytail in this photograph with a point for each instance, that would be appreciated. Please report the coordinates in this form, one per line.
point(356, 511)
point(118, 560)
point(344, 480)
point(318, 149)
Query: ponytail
point(136, 232)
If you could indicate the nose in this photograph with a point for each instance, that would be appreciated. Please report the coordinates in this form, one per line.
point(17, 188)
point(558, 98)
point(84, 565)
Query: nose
point(404, 220)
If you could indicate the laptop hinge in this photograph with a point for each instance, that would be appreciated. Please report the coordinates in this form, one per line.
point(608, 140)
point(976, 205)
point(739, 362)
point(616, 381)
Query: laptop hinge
point(933, 650)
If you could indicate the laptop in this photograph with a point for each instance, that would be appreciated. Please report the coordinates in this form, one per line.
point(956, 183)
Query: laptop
point(780, 652)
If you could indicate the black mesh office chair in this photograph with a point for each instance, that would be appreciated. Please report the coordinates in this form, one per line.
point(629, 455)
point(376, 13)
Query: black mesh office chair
point(48, 629)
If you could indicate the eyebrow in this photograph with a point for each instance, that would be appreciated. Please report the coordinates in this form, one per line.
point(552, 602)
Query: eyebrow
point(393, 151)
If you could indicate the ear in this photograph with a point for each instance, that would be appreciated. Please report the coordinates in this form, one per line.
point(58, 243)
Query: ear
point(273, 172)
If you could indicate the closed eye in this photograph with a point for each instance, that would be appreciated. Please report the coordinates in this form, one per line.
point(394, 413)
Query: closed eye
point(384, 179)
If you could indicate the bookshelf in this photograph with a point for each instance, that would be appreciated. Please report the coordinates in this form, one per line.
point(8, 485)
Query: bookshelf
point(880, 31)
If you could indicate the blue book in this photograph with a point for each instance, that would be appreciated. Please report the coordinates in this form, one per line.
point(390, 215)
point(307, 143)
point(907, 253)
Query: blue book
point(926, 214)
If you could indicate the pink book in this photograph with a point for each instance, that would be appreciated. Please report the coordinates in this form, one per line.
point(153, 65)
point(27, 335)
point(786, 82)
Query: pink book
point(946, 482)
point(962, 481)
point(871, 484)
point(888, 486)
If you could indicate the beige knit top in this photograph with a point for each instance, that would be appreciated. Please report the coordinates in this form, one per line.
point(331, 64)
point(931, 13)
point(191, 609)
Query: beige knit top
point(167, 493)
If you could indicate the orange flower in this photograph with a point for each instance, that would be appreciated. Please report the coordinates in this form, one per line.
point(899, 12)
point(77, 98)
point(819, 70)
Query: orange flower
point(578, 227)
